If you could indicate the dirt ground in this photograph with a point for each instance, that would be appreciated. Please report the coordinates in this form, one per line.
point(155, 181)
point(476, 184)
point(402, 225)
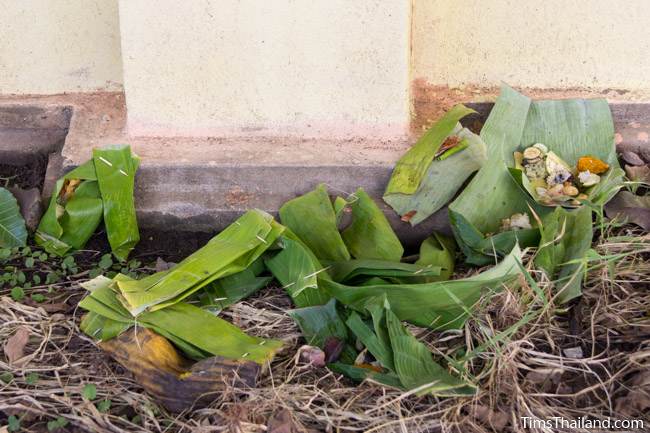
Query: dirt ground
point(533, 359)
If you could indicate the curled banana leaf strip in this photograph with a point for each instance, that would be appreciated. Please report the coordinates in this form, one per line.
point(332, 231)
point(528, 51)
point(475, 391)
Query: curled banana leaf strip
point(312, 218)
point(369, 235)
point(406, 362)
point(355, 272)
point(74, 213)
point(566, 238)
point(231, 251)
point(443, 177)
point(102, 188)
point(192, 329)
point(297, 269)
point(13, 232)
point(437, 305)
point(115, 167)
point(177, 383)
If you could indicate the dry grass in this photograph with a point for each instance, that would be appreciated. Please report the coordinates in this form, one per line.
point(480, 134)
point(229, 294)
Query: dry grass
point(520, 364)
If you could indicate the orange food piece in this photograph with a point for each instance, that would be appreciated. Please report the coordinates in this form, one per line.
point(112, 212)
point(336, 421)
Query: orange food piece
point(594, 165)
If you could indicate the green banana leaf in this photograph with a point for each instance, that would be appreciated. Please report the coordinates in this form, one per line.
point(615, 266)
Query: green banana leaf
point(355, 272)
point(102, 188)
point(297, 269)
point(312, 218)
point(115, 167)
point(438, 305)
point(229, 290)
point(370, 235)
point(402, 355)
point(71, 219)
point(231, 251)
point(195, 331)
point(566, 238)
point(570, 128)
point(440, 251)
point(420, 184)
point(13, 232)
point(319, 323)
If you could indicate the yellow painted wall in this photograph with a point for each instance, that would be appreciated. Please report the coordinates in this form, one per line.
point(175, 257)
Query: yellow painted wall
point(533, 43)
point(55, 46)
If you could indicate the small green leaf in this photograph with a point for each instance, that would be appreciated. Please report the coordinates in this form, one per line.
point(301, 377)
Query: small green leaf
point(43, 257)
point(6, 377)
point(37, 297)
point(5, 253)
point(17, 294)
point(20, 277)
point(29, 262)
point(95, 272)
point(13, 424)
point(104, 405)
point(52, 277)
point(31, 378)
point(68, 262)
point(60, 422)
point(26, 251)
point(89, 391)
point(106, 261)
point(36, 279)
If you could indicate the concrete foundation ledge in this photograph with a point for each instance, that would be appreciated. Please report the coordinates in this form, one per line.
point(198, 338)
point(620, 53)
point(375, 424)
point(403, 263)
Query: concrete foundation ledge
point(203, 184)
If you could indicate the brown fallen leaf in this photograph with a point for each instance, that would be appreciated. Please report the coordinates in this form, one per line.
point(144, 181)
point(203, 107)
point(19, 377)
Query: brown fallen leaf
point(15, 345)
point(633, 208)
point(68, 189)
point(408, 215)
point(177, 383)
point(283, 422)
point(162, 265)
point(639, 173)
point(311, 355)
point(495, 419)
point(333, 348)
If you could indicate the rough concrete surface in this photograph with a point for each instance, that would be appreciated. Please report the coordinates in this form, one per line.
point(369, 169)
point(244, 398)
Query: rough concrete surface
point(49, 46)
point(202, 184)
point(320, 68)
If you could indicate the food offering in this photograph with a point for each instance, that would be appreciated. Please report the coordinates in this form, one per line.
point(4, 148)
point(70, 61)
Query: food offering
point(553, 182)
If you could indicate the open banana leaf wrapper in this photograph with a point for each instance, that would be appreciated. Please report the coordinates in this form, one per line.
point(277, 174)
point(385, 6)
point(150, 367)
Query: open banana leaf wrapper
point(100, 189)
point(570, 128)
point(434, 169)
point(232, 251)
point(197, 332)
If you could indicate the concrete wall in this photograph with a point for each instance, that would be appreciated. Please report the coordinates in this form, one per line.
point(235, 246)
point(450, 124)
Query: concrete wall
point(533, 43)
point(337, 68)
point(55, 46)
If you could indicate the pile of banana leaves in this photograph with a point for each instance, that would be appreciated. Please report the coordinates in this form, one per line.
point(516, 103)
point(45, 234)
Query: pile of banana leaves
point(340, 261)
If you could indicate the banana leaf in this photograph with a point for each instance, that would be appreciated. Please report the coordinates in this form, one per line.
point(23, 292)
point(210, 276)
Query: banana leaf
point(231, 251)
point(195, 331)
point(438, 305)
point(440, 251)
point(74, 212)
point(229, 290)
point(354, 272)
point(370, 235)
point(13, 232)
point(420, 184)
point(312, 218)
point(570, 128)
point(115, 168)
point(297, 269)
point(566, 238)
point(320, 323)
point(401, 355)
point(102, 188)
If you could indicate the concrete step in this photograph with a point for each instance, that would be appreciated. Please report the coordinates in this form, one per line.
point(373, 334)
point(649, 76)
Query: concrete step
point(202, 184)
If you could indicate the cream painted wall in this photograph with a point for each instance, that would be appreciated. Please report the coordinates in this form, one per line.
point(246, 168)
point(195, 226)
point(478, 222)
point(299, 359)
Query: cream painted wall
point(533, 43)
point(55, 46)
point(335, 68)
